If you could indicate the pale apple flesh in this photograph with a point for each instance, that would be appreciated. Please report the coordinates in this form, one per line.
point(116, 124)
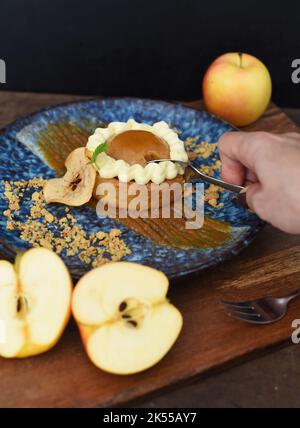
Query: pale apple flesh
point(126, 323)
point(34, 303)
point(237, 87)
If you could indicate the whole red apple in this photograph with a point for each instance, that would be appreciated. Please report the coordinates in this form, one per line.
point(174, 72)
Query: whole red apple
point(237, 87)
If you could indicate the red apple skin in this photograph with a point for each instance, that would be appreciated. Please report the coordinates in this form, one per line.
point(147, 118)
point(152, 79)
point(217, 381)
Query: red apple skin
point(85, 332)
point(237, 87)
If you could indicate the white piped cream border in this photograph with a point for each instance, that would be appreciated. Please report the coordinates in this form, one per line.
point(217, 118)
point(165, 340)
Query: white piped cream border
point(157, 173)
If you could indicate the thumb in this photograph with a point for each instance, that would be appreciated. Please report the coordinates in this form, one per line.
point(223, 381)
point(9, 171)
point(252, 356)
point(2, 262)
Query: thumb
point(255, 199)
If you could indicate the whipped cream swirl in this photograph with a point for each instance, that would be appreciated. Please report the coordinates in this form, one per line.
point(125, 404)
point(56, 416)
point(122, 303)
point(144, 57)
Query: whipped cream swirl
point(157, 173)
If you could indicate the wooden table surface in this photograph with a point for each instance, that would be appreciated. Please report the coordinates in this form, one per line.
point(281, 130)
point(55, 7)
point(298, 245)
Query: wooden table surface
point(210, 341)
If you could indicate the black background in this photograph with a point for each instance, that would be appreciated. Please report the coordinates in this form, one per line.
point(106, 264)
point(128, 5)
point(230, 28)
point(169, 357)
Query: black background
point(148, 48)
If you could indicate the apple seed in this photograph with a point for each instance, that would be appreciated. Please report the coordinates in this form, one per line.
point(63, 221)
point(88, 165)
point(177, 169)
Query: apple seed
point(126, 316)
point(122, 306)
point(21, 305)
point(75, 182)
point(133, 323)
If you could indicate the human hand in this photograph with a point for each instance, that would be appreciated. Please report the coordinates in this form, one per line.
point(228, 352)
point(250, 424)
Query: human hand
point(269, 165)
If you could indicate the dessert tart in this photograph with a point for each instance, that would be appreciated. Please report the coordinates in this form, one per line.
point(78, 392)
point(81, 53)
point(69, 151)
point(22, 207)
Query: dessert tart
point(127, 147)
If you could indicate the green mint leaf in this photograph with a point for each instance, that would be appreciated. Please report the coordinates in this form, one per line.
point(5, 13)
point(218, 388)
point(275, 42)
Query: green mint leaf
point(101, 148)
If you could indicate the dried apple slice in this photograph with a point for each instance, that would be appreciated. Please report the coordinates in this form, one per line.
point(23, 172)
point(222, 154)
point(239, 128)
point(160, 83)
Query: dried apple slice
point(126, 322)
point(35, 303)
point(75, 188)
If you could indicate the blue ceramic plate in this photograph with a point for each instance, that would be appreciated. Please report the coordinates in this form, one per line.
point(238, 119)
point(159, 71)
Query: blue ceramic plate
point(26, 148)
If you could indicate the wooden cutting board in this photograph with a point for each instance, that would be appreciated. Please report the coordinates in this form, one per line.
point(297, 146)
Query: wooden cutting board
point(210, 340)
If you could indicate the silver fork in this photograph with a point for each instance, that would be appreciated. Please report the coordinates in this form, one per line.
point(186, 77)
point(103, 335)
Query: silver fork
point(262, 311)
point(221, 183)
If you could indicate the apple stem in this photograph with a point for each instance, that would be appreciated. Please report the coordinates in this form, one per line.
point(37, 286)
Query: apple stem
point(240, 56)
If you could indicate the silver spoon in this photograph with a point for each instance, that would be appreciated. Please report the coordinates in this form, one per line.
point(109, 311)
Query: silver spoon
point(221, 183)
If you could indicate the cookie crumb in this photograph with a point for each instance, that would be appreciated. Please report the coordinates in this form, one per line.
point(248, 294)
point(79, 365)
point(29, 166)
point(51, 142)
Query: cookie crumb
point(212, 195)
point(41, 228)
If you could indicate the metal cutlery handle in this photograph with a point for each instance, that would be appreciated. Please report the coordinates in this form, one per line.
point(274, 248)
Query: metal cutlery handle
point(292, 295)
point(218, 182)
point(239, 190)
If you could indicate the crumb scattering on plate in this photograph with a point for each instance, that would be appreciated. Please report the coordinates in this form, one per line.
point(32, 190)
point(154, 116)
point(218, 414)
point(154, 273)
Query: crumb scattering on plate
point(205, 150)
point(65, 234)
point(212, 194)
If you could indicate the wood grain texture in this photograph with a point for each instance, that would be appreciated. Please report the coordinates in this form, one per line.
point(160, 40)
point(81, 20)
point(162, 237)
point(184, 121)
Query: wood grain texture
point(209, 341)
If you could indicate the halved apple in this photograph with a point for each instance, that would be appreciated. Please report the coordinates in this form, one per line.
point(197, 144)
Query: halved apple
point(35, 302)
point(125, 320)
